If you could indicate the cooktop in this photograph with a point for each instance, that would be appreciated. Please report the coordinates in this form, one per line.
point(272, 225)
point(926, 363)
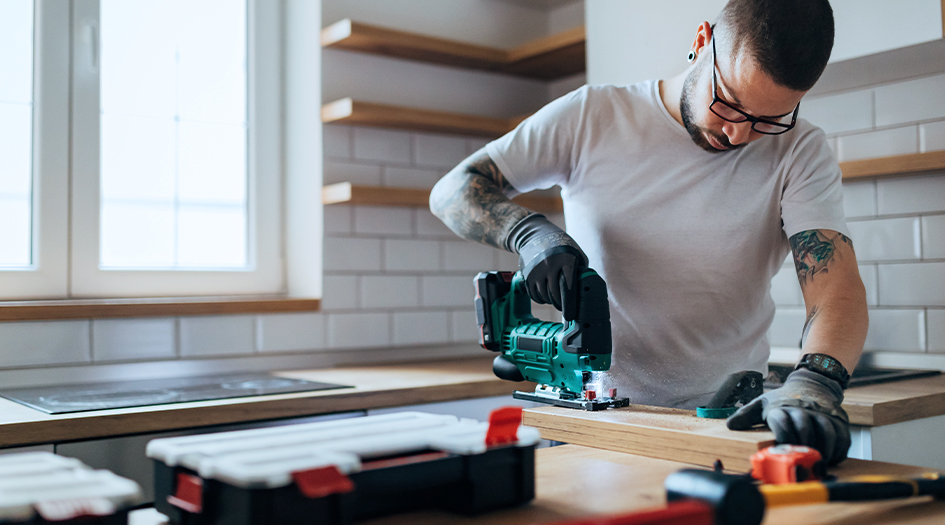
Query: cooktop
point(64, 399)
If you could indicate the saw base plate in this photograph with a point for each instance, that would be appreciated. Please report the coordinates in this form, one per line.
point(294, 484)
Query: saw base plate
point(591, 405)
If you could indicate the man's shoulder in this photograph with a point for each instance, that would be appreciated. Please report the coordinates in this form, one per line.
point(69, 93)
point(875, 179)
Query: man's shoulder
point(602, 93)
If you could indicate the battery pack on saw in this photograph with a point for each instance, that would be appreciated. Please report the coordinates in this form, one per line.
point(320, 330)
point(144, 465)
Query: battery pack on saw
point(338, 472)
point(43, 488)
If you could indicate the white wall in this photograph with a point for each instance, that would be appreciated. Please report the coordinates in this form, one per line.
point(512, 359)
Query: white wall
point(633, 40)
point(864, 27)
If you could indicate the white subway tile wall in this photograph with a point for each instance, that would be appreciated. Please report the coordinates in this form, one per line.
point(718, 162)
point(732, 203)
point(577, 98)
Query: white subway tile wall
point(911, 195)
point(44, 343)
point(217, 335)
point(886, 239)
point(883, 143)
point(859, 199)
point(133, 339)
point(936, 330)
point(911, 101)
point(932, 136)
point(896, 331)
point(897, 224)
point(293, 332)
point(397, 276)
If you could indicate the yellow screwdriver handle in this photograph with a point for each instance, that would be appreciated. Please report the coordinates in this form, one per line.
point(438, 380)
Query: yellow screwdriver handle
point(804, 493)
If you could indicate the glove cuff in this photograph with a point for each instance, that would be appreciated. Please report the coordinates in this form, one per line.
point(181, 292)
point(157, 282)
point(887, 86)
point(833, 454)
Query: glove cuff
point(829, 393)
point(526, 229)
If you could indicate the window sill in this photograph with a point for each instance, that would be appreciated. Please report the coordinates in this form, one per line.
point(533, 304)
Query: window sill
point(152, 307)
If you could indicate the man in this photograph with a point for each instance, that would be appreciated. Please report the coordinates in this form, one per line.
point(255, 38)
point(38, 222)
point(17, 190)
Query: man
point(685, 195)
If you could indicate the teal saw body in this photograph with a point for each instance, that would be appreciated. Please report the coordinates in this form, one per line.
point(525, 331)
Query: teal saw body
point(558, 356)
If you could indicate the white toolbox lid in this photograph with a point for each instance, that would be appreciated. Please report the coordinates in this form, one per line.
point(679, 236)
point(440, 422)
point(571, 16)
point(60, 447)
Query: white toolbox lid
point(59, 487)
point(266, 458)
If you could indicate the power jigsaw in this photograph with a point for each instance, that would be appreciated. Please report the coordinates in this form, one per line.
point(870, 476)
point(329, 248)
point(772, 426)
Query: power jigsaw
point(560, 357)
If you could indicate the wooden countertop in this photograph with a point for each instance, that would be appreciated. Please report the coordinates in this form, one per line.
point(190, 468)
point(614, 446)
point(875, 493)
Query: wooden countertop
point(387, 386)
point(896, 402)
point(374, 387)
point(576, 482)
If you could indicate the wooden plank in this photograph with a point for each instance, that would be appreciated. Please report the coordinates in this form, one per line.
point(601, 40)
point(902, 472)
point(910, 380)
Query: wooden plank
point(151, 307)
point(896, 166)
point(548, 58)
point(355, 36)
point(375, 387)
point(556, 56)
point(356, 113)
point(655, 432)
point(896, 402)
point(354, 194)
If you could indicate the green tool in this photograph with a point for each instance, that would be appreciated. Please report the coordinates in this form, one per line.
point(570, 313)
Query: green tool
point(560, 357)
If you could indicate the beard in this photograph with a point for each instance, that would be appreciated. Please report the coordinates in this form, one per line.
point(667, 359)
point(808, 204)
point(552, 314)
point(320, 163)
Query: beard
point(698, 133)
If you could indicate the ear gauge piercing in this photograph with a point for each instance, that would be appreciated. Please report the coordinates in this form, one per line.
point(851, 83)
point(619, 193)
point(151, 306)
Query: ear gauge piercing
point(691, 56)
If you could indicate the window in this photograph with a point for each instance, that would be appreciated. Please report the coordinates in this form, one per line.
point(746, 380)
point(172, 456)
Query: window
point(142, 148)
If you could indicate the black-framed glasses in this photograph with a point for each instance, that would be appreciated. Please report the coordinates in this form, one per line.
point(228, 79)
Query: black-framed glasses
point(767, 126)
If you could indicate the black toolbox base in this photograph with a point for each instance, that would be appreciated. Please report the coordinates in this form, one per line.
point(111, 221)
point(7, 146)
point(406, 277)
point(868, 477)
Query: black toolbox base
point(499, 478)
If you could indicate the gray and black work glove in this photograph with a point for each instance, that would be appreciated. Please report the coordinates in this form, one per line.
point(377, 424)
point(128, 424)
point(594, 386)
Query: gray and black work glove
point(550, 261)
point(804, 411)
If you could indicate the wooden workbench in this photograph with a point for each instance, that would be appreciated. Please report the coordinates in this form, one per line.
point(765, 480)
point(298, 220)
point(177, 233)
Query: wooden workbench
point(387, 386)
point(374, 387)
point(574, 482)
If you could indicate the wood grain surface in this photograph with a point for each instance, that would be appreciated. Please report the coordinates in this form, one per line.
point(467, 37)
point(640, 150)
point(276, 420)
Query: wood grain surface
point(151, 307)
point(355, 194)
point(896, 166)
point(359, 113)
point(896, 402)
point(655, 432)
point(375, 387)
point(547, 58)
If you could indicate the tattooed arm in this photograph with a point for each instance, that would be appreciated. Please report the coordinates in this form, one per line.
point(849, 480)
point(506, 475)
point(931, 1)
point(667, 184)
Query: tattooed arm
point(834, 294)
point(473, 200)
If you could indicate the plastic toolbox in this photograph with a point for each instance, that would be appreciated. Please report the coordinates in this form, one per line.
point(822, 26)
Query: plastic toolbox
point(337, 472)
point(41, 487)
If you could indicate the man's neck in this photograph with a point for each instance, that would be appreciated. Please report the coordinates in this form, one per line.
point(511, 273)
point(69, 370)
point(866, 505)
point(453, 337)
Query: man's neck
point(670, 93)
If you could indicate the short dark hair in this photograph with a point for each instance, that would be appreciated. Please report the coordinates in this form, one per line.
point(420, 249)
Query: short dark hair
point(790, 39)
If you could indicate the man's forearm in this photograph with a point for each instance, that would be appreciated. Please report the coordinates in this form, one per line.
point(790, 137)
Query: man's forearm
point(837, 328)
point(473, 201)
point(837, 317)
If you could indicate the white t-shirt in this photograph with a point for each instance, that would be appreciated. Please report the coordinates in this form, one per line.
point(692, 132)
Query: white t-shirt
point(687, 240)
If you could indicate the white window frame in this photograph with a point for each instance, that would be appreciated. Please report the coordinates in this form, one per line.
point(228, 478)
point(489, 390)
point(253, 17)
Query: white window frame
point(264, 273)
point(47, 275)
point(285, 170)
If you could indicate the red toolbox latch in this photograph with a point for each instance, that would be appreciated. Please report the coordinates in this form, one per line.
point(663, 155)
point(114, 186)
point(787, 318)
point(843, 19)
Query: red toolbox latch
point(503, 426)
point(322, 481)
point(189, 493)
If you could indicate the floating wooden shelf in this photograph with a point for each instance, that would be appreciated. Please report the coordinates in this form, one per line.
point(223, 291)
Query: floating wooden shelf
point(348, 111)
point(347, 193)
point(152, 307)
point(547, 58)
point(893, 166)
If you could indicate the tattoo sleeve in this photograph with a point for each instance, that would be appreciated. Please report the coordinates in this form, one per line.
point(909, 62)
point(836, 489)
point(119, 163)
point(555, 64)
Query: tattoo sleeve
point(813, 252)
point(473, 201)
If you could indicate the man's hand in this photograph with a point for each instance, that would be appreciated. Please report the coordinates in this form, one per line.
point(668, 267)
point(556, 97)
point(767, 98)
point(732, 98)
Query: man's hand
point(804, 411)
point(551, 262)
